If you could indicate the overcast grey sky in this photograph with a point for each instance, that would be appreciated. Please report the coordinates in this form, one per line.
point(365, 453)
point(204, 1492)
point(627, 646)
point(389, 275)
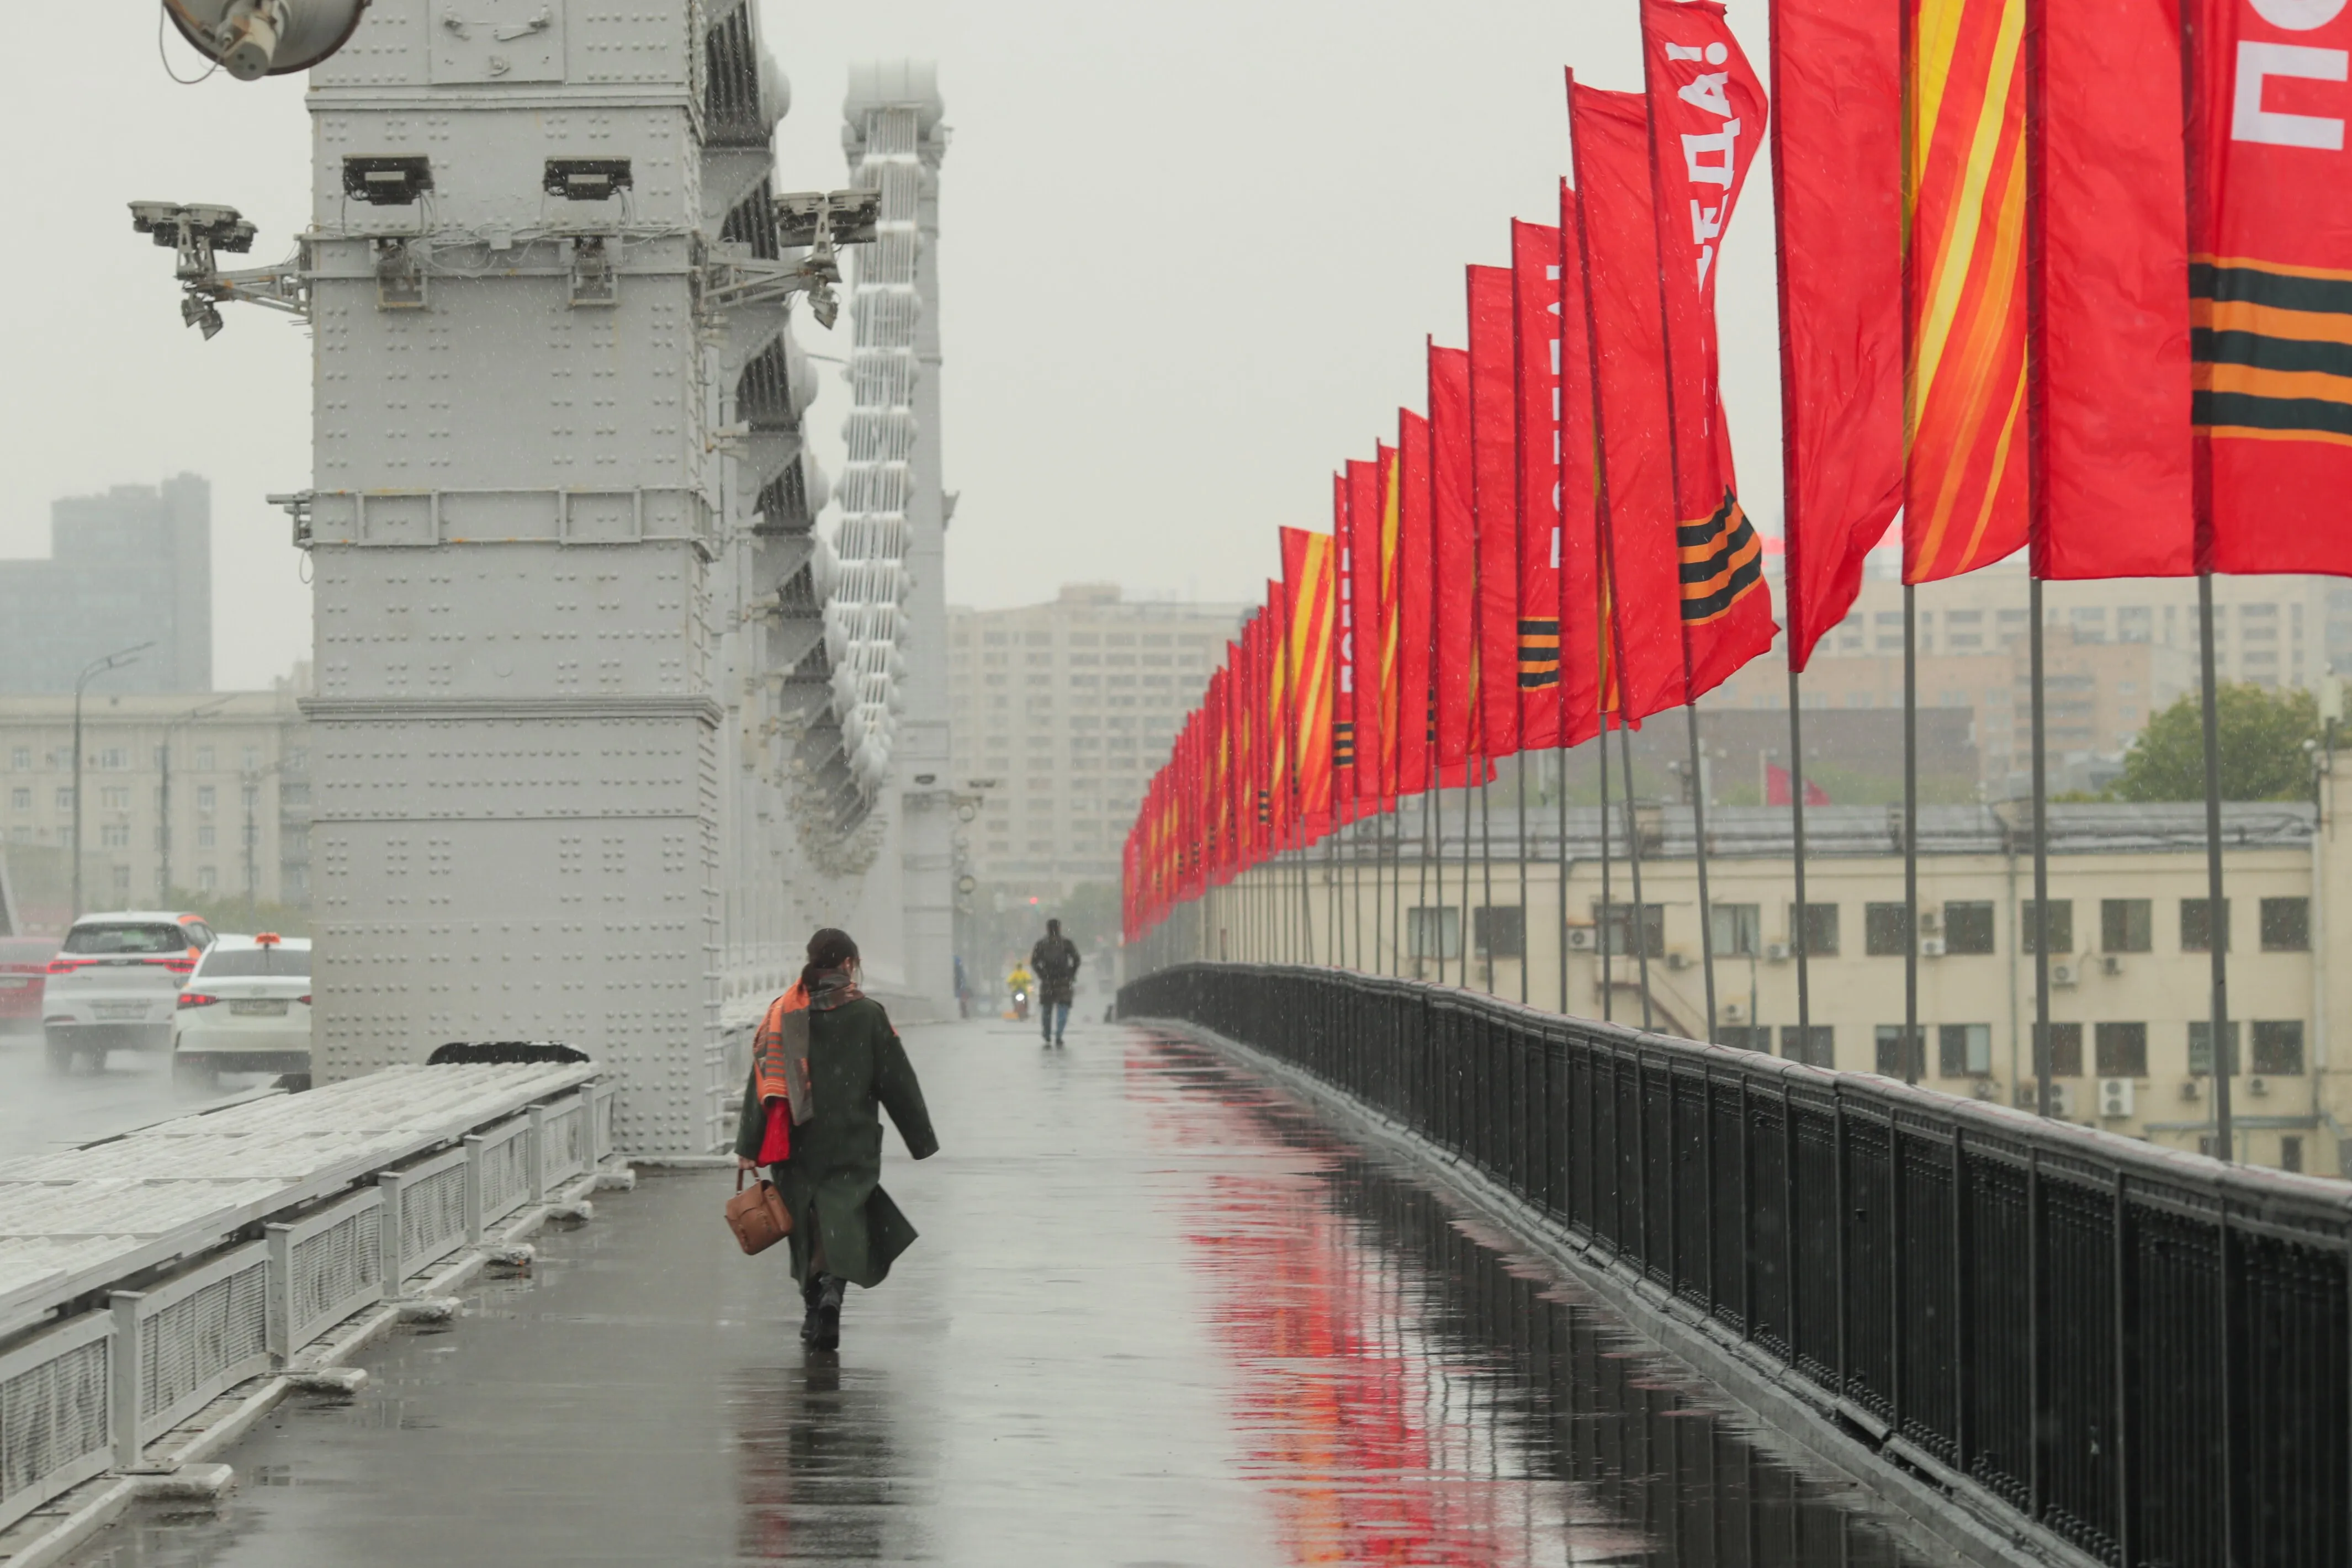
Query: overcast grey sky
point(1188, 259)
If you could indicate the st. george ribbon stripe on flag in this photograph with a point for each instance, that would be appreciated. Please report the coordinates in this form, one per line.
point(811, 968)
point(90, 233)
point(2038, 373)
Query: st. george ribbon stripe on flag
point(1722, 558)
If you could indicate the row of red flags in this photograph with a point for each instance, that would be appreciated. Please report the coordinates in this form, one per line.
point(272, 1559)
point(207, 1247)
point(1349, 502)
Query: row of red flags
point(2117, 330)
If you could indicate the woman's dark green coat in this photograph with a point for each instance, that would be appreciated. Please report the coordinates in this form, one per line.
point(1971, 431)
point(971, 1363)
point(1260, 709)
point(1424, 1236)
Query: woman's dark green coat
point(833, 1182)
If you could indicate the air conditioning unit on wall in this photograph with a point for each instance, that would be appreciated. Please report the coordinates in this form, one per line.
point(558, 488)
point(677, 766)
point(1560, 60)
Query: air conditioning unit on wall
point(2118, 1098)
point(1584, 939)
point(1931, 947)
point(2065, 971)
point(1735, 1012)
point(1778, 952)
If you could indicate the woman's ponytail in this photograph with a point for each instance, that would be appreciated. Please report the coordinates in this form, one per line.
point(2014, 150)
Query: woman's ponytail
point(827, 950)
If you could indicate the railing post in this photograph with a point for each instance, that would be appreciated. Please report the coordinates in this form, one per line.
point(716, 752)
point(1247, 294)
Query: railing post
point(125, 1362)
point(475, 1200)
point(281, 1277)
point(390, 1234)
point(535, 1151)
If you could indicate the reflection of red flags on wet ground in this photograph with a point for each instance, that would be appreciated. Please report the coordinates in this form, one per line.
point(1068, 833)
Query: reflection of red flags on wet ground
point(1416, 608)
point(1535, 336)
point(1707, 122)
point(1454, 563)
point(2270, 284)
point(1312, 599)
point(1609, 133)
point(1494, 506)
point(1837, 167)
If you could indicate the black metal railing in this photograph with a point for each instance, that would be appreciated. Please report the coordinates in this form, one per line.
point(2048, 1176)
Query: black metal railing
point(2146, 1353)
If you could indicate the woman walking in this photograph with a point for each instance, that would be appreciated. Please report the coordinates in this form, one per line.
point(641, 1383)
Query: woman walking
point(825, 1061)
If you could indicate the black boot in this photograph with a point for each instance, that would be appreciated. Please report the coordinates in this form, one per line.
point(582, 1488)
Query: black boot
point(828, 1315)
point(811, 1293)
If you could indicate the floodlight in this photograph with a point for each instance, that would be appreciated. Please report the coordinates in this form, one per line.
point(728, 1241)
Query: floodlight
point(254, 38)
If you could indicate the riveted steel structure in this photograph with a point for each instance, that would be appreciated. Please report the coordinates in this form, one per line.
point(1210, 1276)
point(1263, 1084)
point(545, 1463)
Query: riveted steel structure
point(574, 711)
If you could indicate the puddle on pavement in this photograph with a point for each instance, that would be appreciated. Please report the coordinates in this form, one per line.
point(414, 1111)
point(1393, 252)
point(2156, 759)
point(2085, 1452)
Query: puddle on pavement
point(1413, 1388)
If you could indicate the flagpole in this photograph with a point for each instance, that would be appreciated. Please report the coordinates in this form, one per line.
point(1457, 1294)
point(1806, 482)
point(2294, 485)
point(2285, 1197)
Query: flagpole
point(1698, 832)
point(1797, 817)
point(1601, 933)
point(1520, 766)
point(1430, 923)
point(1561, 786)
point(2217, 920)
point(1639, 926)
point(2044, 1093)
point(1913, 1050)
point(1486, 866)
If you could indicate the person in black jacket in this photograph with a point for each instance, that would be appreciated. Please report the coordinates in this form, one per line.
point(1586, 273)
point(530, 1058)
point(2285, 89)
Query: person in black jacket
point(1054, 961)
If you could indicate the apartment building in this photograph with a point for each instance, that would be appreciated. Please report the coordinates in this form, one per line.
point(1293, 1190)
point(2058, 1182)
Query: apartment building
point(132, 565)
point(187, 794)
point(2130, 935)
point(1064, 709)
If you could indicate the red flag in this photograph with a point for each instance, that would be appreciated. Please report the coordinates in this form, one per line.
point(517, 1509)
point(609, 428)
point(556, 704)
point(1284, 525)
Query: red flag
point(1381, 641)
point(2271, 285)
point(1964, 489)
point(1281, 765)
point(1837, 198)
point(1609, 133)
point(1416, 617)
point(1706, 120)
point(1343, 646)
point(1775, 787)
point(1536, 266)
point(1453, 556)
point(2107, 209)
point(1311, 604)
point(1586, 636)
point(1494, 506)
point(1361, 628)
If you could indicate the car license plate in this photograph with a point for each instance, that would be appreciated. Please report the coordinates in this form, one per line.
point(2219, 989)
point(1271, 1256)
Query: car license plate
point(12, 982)
point(258, 1009)
point(120, 1010)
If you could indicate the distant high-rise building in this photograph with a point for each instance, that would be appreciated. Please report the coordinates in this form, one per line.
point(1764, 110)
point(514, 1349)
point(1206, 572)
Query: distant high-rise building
point(125, 567)
point(1066, 709)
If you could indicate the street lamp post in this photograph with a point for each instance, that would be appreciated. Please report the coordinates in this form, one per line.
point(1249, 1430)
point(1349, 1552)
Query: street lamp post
point(96, 666)
point(163, 799)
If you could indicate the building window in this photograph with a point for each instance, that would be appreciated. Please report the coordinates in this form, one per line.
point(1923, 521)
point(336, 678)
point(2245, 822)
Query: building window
point(1890, 1062)
point(2286, 925)
point(122, 883)
point(20, 800)
point(208, 879)
point(115, 797)
point(1433, 932)
point(2122, 1049)
point(2196, 926)
point(114, 835)
point(1739, 929)
point(2126, 925)
point(1820, 928)
point(207, 798)
point(21, 759)
point(1967, 925)
point(113, 759)
point(2278, 1047)
point(1964, 1050)
point(206, 837)
point(1885, 930)
point(1818, 1050)
point(2062, 926)
point(2200, 1047)
point(2066, 1050)
point(64, 798)
point(2290, 1152)
point(1499, 930)
point(1616, 936)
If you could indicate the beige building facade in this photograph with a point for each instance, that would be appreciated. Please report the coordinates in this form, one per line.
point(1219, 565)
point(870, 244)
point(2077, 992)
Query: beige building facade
point(2130, 964)
point(1061, 712)
point(183, 793)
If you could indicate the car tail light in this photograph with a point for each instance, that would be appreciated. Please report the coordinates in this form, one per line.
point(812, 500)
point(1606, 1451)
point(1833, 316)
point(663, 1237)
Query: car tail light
point(178, 965)
point(66, 966)
point(304, 998)
point(196, 999)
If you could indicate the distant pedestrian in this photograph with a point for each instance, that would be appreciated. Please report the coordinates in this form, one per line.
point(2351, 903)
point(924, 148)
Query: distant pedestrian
point(824, 1059)
point(1055, 960)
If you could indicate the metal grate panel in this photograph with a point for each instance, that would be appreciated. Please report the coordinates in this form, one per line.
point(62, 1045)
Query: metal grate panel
point(197, 1345)
point(336, 1272)
point(52, 1420)
point(432, 1217)
point(505, 1175)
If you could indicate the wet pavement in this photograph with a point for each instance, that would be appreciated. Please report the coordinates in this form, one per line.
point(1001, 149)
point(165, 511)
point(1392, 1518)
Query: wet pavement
point(1158, 1316)
point(41, 1110)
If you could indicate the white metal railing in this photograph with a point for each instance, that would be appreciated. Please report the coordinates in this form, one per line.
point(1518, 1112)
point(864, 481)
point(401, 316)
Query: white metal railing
point(89, 1393)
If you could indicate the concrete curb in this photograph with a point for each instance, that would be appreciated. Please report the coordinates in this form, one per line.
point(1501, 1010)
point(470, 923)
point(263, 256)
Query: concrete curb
point(1942, 1516)
point(183, 1471)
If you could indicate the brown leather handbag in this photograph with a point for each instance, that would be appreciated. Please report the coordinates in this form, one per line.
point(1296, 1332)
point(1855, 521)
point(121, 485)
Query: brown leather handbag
point(757, 1217)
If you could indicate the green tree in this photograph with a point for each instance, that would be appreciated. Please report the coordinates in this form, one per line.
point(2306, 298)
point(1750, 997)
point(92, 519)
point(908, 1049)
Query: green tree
point(2261, 734)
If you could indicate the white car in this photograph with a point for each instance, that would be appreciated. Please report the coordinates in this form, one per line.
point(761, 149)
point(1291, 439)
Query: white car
point(245, 1009)
point(114, 981)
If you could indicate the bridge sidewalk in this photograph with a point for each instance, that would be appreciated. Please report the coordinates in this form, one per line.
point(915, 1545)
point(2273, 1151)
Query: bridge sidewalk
point(1157, 1316)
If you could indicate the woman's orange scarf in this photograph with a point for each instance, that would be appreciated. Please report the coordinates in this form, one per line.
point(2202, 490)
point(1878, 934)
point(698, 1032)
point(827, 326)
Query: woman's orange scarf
point(779, 1049)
